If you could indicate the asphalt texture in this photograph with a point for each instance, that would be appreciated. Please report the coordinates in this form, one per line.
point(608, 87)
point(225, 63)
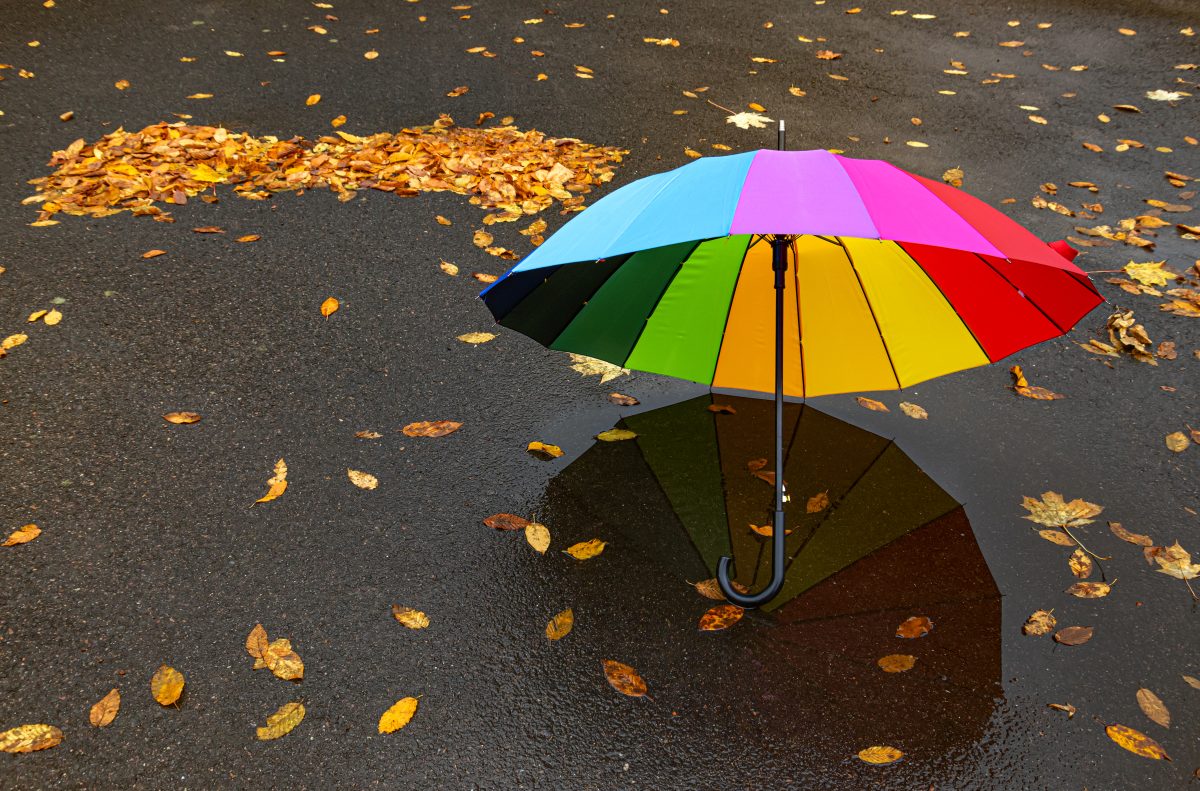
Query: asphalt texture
point(150, 553)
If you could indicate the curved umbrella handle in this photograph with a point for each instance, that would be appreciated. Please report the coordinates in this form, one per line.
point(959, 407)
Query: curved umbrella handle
point(777, 572)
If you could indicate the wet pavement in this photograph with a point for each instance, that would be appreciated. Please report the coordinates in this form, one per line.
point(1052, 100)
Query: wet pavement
point(150, 554)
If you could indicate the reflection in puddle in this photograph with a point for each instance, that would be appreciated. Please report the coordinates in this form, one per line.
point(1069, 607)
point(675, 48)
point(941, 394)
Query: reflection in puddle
point(873, 541)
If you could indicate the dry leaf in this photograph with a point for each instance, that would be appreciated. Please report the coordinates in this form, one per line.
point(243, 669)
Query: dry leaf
point(363, 480)
point(872, 404)
point(1133, 538)
point(623, 400)
point(560, 625)
point(748, 120)
point(721, 617)
point(1136, 742)
point(153, 253)
point(448, 268)
point(880, 755)
point(52, 317)
point(1023, 388)
point(257, 642)
point(104, 711)
point(431, 428)
point(543, 450)
point(282, 722)
point(710, 589)
point(329, 306)
point(280, 659)
point(1153, 707)
point(1039, 623)
point(1176, 562)
point(624, 679)
point(476, 338)
point(1067, 707)
point(1178, 441)
point(1073, 635)
point(1057, 537)
point(1053, 511)
point(250, 237)
point(30, 738)
point(616, 435)
point(506, 522)
point(585, 550)
point(166, 685)
point(413, 619)
point(1192, 681)
point(538, 536)
point(1090, 590)
point(398, 715)
point(311, 100)
point(182, 418)
point(896, 663)
point(277, 483)
point(916, 626)
point(367, 435)
point(913, 411)
point(817, 503)
point(1081, 564)
point(590, 366)
point(22, 535)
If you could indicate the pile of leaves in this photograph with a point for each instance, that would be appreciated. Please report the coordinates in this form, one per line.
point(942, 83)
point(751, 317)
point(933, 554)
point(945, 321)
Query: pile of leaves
point(501, 168)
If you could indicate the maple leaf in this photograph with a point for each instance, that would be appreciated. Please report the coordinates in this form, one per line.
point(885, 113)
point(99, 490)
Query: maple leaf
point(590, 366)
point(1177, 562)
point(746, 120)
point(1053, 511)
point(1151, 273)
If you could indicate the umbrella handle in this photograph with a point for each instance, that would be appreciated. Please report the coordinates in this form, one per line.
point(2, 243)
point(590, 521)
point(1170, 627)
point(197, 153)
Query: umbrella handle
point(777, 572)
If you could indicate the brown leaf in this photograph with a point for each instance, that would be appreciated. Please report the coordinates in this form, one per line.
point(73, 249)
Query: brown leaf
point(1022, 387)
point(1039, 623)
point(363, 480)
point(104, 711)
point(560, 625)
point(209, 229)
point(624, 679)
point(257, 642)
point(367, 435)
point(872, 404)
point(182, 418)
point(1073, 635)
point(506, 522)
point(1090, 590)
point(896, 663)
point(153, 253)
point(1067, 707)
point(916, 626)
point(1133, 538)
point(166, 685)
point(817, 503)
point(1057, 537)
point(721, 617)
point(1081, 564)
point(431, 428)
point(1153, 707)
point(251, 237)
point(722, 409)
point(623, 400)
point(710, 589)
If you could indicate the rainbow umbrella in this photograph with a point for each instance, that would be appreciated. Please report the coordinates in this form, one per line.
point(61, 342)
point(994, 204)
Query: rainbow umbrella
point(880, 279)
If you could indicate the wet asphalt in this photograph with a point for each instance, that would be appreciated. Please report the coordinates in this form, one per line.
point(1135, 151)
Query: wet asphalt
point(150, 554)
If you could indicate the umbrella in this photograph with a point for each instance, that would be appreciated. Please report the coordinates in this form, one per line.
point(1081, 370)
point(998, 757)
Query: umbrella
point(901, 546)
point(881, 279)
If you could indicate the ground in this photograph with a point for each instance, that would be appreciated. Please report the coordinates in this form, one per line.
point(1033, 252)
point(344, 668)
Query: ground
point(150, 554)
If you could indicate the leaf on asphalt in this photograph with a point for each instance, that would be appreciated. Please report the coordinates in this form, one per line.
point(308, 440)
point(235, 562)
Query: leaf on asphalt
point(1133, 538)
point(483, 239)
point(1136, 742)
point(104, 711)
point(1153, 707)
point(476, 338)
point(590, 366)
point(257, 642)
point(22, 535)
point(913, 411)
point(560, 625)
point(1178, 441)
point(1067, 707)
point(1053, 511)
point(1057, 537)
point(766, 531)
point(30, 738)
point(282, 660)
point(954, 176)
point(916, 626)
point(1177, 562)
point(817, 503)
point(538, 536)
point(431, 428)
point(747, 120)
point(1073, 635)
point(311, 100)
point(448, 268)
point(153, 253)
point(585, 550)
point(1039, 623)
point(1151, 273)
point(329, 306)
point(398, 715)
point(37, 314)
point(11, 342)
point(413, 619)
point(872, 404)
point(721, 617)
point(1192, 681)
point(880, 755)
point(544, 451)
point(1090, 590)
point(624, 679)
point(363, 480)
point(1022, 387)
point(616, 435)
point(709, 589)
point(506, 522)
point(282, 722)
point(896, 663)
point(182, 418)
point(52, 317)
point(277, 483)
point(1081, 564)
point(166, 685)
point(367, 435)
point(250, 237)
point(620, 399)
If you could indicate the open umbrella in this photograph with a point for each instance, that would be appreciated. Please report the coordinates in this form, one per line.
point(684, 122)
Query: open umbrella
point(881, 279)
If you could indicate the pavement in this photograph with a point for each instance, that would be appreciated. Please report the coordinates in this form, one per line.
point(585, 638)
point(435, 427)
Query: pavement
point(150, 553)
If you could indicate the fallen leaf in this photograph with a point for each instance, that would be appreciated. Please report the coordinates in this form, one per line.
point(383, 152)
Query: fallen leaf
point(916, 626)
point(872, 404)
point(329, 306)
point(880, 755)
point(153, 253)
point(398, 715)
point(1136, 742)
point(13, 341)
point(367, 435)
point(311, 100)
point(721, 617)
point(30, 738)
point(954, 176)
point(413, 619)
point(543, 450)
point(448, 268)
point(1153, 707)
point(1151, 273)
point(560, 625)
point(37, 314)
point(590, 366)
point(913, 411)
point(1192, 681)
point(104, 711)
point(623, 400)
point(22, 535)
point(748, 120)
point(476, 338)
point(1073, 635)
point(431, 428)
point(363, 480)
point(1133, 538)
point(624, 679)
point(1057, 537)
point(166, 685)
point(1090, 590)
point(616, 435)
point(257, 642)
point(538, 536)
point(282, 721)
point(896, 663)
point(1081, 564)
point(182, 418)
point(370, 54)
point(506, 522)
point(1067, 707)
point(1178, 441)
point(277, 483)
point(1039, 623)
point(585, 550)
point(710, 589)
point(281, 659)
point(250, 237)
point(1053, 511)
point(1176, 562)
point(817, 503)
point(1023, 388)
point(722, 409)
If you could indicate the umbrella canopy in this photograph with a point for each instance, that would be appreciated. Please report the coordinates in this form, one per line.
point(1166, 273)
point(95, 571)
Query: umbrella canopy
point(898, 279)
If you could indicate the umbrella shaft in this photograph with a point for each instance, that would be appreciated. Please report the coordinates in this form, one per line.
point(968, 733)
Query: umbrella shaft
point(779, 264)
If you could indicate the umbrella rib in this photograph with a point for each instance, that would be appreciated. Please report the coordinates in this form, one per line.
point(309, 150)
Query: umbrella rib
point(799, 326)
point(729, 312)
point(871, 308)
point(1021, 293)
point(666, 287)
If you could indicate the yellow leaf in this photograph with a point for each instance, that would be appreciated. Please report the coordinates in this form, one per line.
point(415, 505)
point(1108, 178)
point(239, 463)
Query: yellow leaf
point(544, 450)
point(1057, 537)
point(560, 625)
point(1039, 623)
point(1150, 273)
point(476, 338)
point(871, 404)
point(363, 480)
point(413, 619)
point(280, 659)
point(277, 483)
point(257, 642)
point(336, 122)
point(22, 535)
point(311, 100)
point(253, 237)
point(881, 755)
point(282, 722)
point(431, 428)
point(201, 96)
point(12, 341)
point(585, 550)
point(1178, 441)
point(398, 715)
point(37, 314)
point(104, 711)
point(590, 366)
point(370, 54)
point(1136, 742)
point(817, 503)
point(538, 536)
point(720, 617)
point(482, 239)
point(166, 685)
point(29, 738)
point(330, 306)
point(624, 679)
point(182, 418)
point(206, 174)
point(616, 435)
point(896, 663)
point(153, 253)
point(448, 268)
point(913, 411)
point(1175, 561)
point(1081, 564)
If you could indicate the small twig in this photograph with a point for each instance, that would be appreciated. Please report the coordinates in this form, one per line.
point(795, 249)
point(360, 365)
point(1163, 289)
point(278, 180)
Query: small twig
point(1189, 586)
point(1081, 546)
point(719, 107)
